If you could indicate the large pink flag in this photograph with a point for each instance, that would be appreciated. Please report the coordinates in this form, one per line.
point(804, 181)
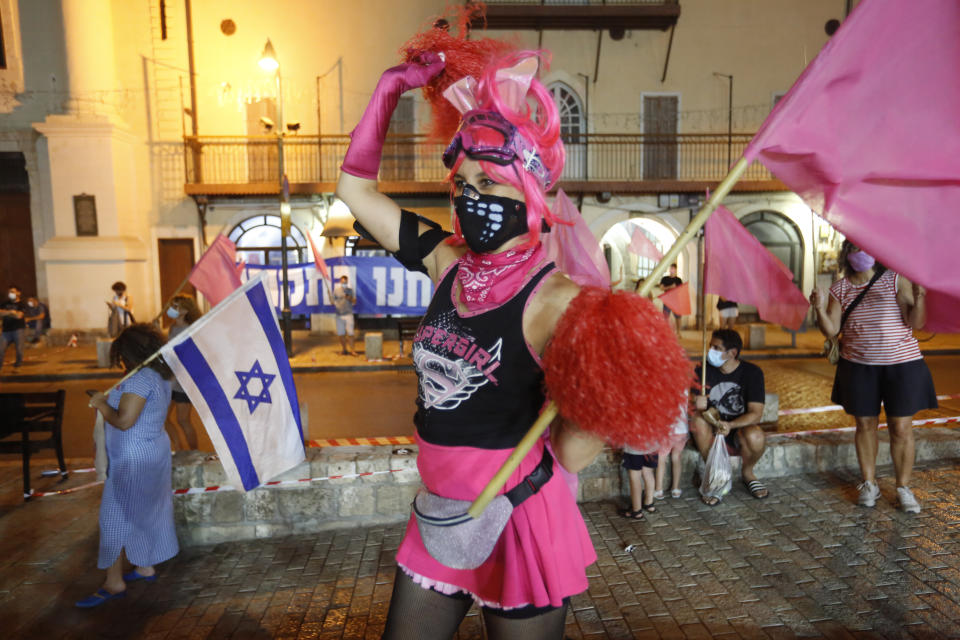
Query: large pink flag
point(216, 274)
point(678, 299)
point(574, 248)
point(738, 267)
point(640, 245)
point(869, 137)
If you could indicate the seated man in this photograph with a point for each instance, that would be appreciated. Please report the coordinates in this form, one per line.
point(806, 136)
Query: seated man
point(735, 389)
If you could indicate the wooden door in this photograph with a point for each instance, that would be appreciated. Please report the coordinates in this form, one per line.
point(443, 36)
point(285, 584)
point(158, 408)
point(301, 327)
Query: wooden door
point(175, 257)
point(17, 261)
point(660, 137)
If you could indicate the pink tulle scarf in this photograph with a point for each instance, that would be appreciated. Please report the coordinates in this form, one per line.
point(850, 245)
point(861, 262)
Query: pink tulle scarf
point(487, 280)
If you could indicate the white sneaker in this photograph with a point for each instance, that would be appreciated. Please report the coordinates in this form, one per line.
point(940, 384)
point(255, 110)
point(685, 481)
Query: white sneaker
point(907, 501)
point(869, 492)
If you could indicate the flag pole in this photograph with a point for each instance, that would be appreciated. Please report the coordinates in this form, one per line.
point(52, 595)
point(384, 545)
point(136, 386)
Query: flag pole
point(703, 314)
point(546, 417)
point(163, 309)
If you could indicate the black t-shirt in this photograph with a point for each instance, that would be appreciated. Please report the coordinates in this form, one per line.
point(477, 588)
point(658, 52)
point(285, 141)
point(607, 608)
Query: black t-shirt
point(12, 323)
point(670, 281)
point(731, 392)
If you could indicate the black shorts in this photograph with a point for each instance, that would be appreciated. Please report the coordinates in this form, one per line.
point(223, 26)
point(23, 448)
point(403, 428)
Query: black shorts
point(904, 388)
point(637, 461)
point(180, 397)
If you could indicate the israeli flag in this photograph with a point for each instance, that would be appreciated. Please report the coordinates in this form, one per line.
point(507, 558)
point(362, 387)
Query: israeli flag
point(233, 366)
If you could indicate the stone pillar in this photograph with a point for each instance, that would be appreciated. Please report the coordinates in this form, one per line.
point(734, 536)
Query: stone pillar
point(91, 151)
point(88, 36)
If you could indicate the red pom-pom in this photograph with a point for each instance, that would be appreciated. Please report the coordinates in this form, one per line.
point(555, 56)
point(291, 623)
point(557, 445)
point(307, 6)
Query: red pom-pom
point(615, 368)
point(464, 55)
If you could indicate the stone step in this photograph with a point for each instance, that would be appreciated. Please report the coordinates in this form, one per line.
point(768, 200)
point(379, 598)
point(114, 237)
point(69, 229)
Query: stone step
point(383, 498)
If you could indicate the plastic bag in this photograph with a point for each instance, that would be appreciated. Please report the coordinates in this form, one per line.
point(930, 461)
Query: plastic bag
point(717, 476)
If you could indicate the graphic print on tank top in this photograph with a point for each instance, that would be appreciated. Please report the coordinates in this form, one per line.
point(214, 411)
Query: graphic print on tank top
point(454, 366)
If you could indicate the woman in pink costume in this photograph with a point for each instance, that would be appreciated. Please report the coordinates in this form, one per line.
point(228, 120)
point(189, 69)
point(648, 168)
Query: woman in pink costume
point(478, 350)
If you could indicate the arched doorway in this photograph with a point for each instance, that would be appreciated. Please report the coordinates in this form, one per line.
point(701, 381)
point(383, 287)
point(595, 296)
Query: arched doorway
point(627, 268)
point(780, 236)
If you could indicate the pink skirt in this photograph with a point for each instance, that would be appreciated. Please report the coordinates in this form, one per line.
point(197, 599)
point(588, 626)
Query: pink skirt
point(542, 555)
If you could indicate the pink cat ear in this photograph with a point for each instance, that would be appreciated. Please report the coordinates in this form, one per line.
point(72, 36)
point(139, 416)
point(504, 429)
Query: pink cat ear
point(461, 94)
point(513, 83)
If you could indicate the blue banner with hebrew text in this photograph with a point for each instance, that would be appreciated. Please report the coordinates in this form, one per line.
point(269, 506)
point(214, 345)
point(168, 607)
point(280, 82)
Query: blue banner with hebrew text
point(382, 286)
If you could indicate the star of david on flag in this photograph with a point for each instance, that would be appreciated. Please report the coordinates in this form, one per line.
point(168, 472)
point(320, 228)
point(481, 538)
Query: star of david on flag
point(243, 393)
point(233, 366)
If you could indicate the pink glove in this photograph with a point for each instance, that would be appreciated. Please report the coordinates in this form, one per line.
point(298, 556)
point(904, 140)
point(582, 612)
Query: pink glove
point(366, 140)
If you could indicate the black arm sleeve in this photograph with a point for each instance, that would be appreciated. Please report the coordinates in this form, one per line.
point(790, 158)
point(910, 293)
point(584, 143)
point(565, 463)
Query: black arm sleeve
point(414, 246)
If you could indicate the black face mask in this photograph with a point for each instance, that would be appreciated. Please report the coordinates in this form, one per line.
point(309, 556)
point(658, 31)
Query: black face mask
point(486, 221)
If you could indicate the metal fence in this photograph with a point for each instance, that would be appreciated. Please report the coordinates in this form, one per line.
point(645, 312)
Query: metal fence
point(597, 157)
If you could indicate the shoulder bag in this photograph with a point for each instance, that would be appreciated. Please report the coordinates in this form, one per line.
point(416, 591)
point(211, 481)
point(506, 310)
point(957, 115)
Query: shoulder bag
point(831, 346)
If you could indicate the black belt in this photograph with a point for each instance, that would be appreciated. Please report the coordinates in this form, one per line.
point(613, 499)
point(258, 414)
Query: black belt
point(533, 482)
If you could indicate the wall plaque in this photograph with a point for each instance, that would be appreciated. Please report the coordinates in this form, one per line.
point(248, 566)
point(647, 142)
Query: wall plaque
point(85, 214)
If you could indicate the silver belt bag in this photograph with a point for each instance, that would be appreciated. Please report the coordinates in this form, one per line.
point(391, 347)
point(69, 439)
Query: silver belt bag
point(458, 540)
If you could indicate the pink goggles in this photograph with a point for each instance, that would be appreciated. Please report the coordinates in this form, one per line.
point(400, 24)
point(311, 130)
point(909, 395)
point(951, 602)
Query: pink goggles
point(507, 145)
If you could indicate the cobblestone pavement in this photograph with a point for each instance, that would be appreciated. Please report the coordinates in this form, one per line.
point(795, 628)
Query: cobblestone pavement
point(807, 562)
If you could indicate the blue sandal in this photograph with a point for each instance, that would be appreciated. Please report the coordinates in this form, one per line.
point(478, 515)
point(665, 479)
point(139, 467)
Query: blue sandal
point(98, 598)
point(133, 576)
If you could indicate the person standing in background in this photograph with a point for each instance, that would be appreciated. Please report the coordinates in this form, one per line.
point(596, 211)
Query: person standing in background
point(880, 363)
point(343, 301)
point(121, 310)
point(13, 311)
point(667, 283)
point(183, 310)
point(728, 312)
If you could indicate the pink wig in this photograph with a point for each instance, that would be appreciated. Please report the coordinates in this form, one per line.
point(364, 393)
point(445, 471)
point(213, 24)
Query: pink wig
point(539, 122)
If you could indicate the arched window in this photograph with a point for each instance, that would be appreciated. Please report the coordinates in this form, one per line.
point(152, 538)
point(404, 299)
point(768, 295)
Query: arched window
point(572, 127)
point(781, 236)
point(258, 241)
point(572, 120)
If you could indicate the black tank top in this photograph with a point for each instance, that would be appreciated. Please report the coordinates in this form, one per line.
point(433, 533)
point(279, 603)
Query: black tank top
point(479, 384)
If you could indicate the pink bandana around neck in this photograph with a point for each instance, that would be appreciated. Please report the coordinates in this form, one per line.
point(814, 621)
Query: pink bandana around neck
point(487, 280)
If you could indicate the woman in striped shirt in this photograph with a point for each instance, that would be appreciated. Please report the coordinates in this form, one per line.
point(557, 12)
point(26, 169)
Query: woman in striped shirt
point(880, 361)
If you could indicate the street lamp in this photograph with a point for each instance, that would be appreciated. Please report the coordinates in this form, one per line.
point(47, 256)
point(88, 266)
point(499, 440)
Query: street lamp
point(268, 62)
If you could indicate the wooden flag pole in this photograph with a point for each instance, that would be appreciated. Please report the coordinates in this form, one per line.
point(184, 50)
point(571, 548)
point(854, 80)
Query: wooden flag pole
point(549, 413)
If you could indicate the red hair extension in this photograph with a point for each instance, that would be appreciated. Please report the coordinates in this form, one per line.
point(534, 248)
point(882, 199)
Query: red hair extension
point(463, 58)
point(615, 368)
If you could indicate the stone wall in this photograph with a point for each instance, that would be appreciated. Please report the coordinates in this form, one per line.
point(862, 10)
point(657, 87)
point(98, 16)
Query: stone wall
point(385, 497)
point(306, 507)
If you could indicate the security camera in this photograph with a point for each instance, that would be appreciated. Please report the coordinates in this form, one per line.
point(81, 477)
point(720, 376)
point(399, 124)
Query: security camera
point(266, 122)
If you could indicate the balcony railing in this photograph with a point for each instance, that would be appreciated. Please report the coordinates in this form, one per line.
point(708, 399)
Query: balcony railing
point(580, 2)
point(621, 159)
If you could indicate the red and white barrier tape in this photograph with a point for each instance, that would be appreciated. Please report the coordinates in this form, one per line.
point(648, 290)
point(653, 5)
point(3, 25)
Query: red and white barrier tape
point(882, 425)
point(277, 483)
point(41, 494)
point(354, 442)
point(836, 407)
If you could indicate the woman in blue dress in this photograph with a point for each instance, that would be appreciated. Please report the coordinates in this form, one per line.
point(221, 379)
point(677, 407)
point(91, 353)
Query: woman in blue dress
point(136, 511)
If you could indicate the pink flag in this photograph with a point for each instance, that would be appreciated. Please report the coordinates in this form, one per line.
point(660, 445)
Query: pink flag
point(216, 274)
point(574, 248)
point(640, 245)
point(677, 299)
point(739, 268)
point(319, 261)
point(869, 136)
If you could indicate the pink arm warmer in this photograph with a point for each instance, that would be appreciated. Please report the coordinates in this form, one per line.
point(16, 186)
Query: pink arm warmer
point(366, 140)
